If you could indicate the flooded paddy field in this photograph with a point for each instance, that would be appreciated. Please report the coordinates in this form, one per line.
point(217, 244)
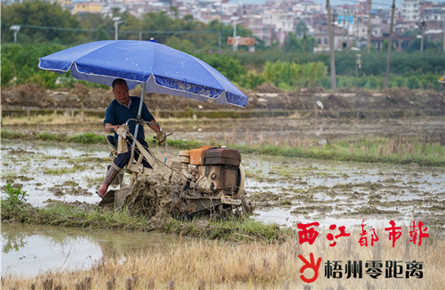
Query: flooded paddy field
point(292, 190)
point(283, 190)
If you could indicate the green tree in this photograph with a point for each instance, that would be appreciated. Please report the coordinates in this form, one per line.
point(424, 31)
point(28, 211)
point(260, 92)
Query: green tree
point(20, 62)
point(101, 25)
point(228, 65)
point(414, 45)
point(292, 43)
point(181, 44)
point(301, 29)
point(291, 75)
point(37, 19)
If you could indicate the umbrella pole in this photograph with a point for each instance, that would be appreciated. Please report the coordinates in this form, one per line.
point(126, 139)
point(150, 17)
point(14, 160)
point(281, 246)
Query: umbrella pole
point(141, 104)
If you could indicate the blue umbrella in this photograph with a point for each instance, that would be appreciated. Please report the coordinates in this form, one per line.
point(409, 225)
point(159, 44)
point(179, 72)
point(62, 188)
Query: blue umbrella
point(156, 67)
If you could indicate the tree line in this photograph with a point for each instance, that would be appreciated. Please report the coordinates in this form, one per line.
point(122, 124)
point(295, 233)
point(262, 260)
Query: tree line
point(47, 28)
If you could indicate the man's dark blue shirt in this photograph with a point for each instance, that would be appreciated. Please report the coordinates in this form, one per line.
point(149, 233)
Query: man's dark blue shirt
point(118, 114)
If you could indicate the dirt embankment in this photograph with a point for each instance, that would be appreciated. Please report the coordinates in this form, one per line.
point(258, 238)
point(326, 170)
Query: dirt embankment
point(266, 97)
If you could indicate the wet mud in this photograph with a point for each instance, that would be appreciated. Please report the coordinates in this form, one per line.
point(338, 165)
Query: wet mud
point(149, 197)
point(283, 190)
point(295, 190)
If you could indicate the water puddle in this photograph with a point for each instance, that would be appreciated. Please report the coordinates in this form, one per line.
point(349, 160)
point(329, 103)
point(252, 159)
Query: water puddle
point(30, 250)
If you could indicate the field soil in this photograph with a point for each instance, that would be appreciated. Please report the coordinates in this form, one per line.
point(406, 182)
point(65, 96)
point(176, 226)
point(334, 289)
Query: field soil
point(266, 97)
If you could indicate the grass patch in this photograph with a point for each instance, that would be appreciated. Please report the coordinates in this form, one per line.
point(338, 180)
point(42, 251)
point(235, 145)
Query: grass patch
point(64, 170)
point(16, 197)
point(47, 136)
point(49, 117)
point(230, 230)
point(382, 150)
point(86, 138)
point(184, 144)
point(83, 216)
point(91, 216)
point(82, 138)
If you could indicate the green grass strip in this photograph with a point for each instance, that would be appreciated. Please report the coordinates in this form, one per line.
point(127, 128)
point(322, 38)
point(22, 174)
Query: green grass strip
point(82, 138)
point(67, 215)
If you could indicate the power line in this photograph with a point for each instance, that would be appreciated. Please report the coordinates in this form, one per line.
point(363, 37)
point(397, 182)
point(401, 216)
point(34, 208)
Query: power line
point(121, 31)
point(50, 27)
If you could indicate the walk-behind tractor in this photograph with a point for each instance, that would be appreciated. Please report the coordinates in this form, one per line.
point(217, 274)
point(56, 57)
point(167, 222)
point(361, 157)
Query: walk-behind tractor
point(210, 179)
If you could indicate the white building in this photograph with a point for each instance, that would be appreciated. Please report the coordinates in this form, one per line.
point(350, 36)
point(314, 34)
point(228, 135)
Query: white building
point(411, 10)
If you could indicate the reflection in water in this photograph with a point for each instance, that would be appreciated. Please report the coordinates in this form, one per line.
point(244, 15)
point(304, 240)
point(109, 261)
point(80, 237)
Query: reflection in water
point(32, 249)
point(12, 242)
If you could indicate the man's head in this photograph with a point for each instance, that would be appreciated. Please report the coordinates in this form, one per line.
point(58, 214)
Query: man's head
point(120, 91)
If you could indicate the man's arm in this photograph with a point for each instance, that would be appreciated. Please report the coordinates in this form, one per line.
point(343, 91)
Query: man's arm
point(154, 127)
point(146, 115)
point(110, 119)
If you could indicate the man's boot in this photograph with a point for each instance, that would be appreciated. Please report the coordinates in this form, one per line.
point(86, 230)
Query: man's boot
point(109, 177)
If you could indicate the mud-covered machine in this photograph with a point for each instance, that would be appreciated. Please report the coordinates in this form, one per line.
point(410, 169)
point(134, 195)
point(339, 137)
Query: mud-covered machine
point(211, 179)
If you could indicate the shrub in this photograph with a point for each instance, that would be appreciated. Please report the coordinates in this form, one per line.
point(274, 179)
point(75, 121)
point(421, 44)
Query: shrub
point(16, 196)
point(86, 138)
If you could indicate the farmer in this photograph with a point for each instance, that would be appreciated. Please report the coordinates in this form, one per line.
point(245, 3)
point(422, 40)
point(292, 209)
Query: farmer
point(122, 108)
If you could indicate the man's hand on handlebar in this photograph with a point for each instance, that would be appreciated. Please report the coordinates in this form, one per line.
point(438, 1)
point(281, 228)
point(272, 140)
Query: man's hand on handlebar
point(113, 128)
point(160, 137)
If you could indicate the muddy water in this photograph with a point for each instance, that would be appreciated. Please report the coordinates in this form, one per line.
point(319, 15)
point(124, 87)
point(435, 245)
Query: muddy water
point(58, 172)
point(291, 190)
point(34, 249)
point(286, 191)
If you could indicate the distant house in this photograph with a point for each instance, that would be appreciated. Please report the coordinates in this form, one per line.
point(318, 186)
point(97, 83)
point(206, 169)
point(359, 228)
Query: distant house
point(411, 10)
point(87, 7)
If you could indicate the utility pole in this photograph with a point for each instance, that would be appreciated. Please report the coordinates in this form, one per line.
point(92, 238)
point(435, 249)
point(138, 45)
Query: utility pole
point(235, 40)
point(117, 21)
point(331, 47)
point(369, 25)
point(304, 41)
point(388, 52)
point(346, 25)
point(443, 18)
point(422, 27)
point(16, 29)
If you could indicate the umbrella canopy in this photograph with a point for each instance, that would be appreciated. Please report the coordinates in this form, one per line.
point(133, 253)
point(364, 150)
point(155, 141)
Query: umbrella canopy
point(156, 67)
